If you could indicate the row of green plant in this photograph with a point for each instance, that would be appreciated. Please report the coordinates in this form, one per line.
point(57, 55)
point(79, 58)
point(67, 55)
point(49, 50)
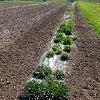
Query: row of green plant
point(47, 85)
point(66, 27)
point(62, 37)
point(48, 89)
point(57, 49)
point(64, 56)
point(43, 72)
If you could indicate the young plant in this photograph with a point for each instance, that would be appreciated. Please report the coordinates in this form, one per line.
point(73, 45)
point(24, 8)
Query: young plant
point(62, 27)
point(50, 54)
point(58, 74)
point(66, 27)
point(67, 40)
point(69, 28)
point(42, 72)
point(48, 89)
point(59, 37)
point(64, 57)
point(56, 90)
point(67, 48)
point(35, 90)
point(58, 52)
point(57, 49)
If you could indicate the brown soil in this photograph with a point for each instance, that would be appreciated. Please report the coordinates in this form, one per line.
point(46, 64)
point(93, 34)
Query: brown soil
point(17, 4)
point(20, 54)
point(84, 77)
point(15, 21)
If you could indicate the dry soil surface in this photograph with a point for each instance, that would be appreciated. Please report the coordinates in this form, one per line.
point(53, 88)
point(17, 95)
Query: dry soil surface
point(84, 77)
point(24, 36)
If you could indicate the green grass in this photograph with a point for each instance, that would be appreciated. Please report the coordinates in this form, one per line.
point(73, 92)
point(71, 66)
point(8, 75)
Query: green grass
point(91, 12)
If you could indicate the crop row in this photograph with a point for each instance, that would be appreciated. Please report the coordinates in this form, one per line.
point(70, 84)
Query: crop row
point(16, 21)
point(62, 42)
point(46, 83)
point(19, 58)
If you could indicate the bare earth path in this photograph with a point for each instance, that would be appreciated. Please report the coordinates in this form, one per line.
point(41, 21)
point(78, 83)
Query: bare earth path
point(22, 47)
point(84, 79)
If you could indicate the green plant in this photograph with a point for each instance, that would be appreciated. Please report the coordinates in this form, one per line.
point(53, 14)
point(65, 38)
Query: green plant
point(56, 90)
point(58, 74)
point(64, 56)
point(50, 54)
point(66, 27)
point(70, 27)
point(67, 40)
point(58, 52)
point(59, 37)
point(57, 49)
point(67, 48)
point(48, 89)
point(35, 90)
point(42, 72)
point(91, 12)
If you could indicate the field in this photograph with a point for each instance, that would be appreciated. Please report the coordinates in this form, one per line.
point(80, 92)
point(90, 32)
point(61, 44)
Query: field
point(91, 12)
point(34, 1)
point(24, 35)
point(49, 50)
point(84, 77)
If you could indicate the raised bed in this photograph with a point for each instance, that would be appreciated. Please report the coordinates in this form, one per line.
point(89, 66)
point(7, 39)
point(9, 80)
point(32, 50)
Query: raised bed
point(50, 72)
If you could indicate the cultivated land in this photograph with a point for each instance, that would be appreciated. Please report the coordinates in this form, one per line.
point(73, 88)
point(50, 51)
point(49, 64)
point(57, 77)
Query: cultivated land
point(84, 77)
point(25, 32)
point(24, 36)
point(91, 12)
point(12, 4)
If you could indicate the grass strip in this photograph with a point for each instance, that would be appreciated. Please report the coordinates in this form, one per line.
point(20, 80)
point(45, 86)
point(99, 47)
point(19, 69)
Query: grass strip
point(91, 12)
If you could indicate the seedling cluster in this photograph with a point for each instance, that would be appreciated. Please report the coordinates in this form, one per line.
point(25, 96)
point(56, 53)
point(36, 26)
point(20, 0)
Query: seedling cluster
point(45, 83)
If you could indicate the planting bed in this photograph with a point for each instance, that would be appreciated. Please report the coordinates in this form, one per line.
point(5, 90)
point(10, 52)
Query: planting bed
point(46, 81)
point(16, 21)
point(24, 36)
point(84, 77)
point(27, 33)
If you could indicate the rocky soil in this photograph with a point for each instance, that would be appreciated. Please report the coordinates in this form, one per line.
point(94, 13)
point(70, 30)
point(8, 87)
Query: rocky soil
point(24, 35)
point(84, 76)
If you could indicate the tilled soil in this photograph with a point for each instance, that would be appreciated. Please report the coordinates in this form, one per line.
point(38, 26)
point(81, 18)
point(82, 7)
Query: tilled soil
point(84, 77)
point(17, 4)
point(20, 55)
point(15, 21)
